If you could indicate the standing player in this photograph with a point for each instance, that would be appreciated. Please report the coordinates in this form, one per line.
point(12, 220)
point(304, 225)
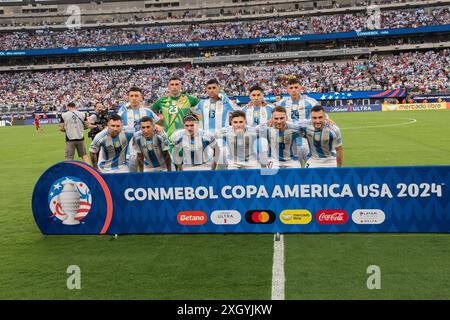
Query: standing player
point(215, 111)
point(324, 140)
point(257, 111)
point(241, 143)
point(37, 124)
point(109, 147)
point(174, 107)
point(190, 146)
point(282, 145)
point(151, 148)
point(133, 111)
point(298, 107)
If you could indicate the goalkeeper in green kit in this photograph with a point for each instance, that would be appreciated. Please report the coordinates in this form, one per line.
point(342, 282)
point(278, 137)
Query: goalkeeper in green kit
point(174, 107)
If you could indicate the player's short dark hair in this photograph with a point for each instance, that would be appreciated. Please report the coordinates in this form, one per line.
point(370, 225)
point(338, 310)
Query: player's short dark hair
point(71, 105)
point(236, 114)
point(114, 117)
point(256, 87)
point(293, 81)
point(317, 109)
point(190, 117)
point(213, 81)
point(146, 119)
point(279, 109)
point(135, 89)
point(174, 78)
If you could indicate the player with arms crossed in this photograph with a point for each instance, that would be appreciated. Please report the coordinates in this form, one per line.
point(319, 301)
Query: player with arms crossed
point(191, 144)
point(324, 140)
point(151, 148)
point(109, 147)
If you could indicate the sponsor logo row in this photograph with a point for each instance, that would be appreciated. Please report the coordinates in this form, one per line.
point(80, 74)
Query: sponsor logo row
point(232, 217)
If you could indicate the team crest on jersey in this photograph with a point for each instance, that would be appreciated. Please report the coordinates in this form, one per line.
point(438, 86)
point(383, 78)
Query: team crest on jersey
point(317, 137)
point(70, 200)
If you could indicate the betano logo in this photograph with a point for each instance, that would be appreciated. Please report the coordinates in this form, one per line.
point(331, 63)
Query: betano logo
point(332, 216)
point(295, 216)
point(260, 216)
point(192, 218)
point(222, 217)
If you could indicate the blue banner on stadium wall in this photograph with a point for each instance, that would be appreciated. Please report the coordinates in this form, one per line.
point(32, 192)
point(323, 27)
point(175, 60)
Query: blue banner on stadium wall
point(221, 43)
point(362, 108)
point(73, 198)
point(344, 95)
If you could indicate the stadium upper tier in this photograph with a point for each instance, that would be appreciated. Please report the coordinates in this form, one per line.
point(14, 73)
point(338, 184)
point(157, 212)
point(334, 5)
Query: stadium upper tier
point(390, 19)
point(416, 71)
point(171, 12)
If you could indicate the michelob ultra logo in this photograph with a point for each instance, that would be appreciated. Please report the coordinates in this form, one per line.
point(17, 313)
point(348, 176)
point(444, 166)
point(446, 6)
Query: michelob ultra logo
point(295, 216)
point(222, 217)
point(260, 216)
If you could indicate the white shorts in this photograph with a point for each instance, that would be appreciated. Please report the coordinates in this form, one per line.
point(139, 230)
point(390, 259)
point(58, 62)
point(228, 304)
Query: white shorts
point(232, 165)
point(321, 163)
point(275, 164)
point(119, 170)
point(157, 169)
point(303, 151)
point(201, 167)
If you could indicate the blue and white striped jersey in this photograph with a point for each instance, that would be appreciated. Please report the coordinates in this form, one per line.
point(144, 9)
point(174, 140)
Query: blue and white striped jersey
point(298, 109)
point(190, 151)
point(112, 151)
point(240, 146)
point(130, 117)
point(215, 115)
point(322, 143)
point(282, 144)
point(257, 116)
point(152, 149)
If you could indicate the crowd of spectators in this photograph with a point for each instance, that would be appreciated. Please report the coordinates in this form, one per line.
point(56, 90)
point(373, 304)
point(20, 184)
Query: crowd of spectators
point(276, 27)
point(51, 90)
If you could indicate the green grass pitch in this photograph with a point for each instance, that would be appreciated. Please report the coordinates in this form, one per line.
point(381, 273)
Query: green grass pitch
point(317, 266)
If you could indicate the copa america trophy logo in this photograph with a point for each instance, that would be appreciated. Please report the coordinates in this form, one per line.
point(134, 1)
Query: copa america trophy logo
point(70, 200)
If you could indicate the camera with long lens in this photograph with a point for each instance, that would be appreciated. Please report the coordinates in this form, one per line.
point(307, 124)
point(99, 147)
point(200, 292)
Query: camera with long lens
point(100, 123)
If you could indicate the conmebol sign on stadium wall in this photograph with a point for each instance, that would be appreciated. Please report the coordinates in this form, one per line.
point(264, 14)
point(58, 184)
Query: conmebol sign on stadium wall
point(73, 198)
point(220, 43)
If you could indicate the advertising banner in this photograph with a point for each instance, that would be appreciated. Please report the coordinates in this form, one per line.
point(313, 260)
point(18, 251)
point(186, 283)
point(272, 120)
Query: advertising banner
point(73, 198)
point(414, 106)
point(362, 108)
point(231, 42)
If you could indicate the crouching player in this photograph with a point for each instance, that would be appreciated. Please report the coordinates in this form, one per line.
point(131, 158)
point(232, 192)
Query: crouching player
point(109, 147)
point(324, 140)
point(151, 148)
point(282, 147)
point(190, 147)
point(241, 143)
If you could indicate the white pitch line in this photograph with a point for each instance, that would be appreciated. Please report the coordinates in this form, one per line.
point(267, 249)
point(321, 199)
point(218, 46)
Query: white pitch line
point(411, 121)
point(278, 279)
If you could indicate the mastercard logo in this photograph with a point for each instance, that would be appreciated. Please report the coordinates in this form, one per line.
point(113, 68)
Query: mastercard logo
point(260, 216)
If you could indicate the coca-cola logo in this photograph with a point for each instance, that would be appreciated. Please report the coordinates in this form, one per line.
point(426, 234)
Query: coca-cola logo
point(337, 216)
